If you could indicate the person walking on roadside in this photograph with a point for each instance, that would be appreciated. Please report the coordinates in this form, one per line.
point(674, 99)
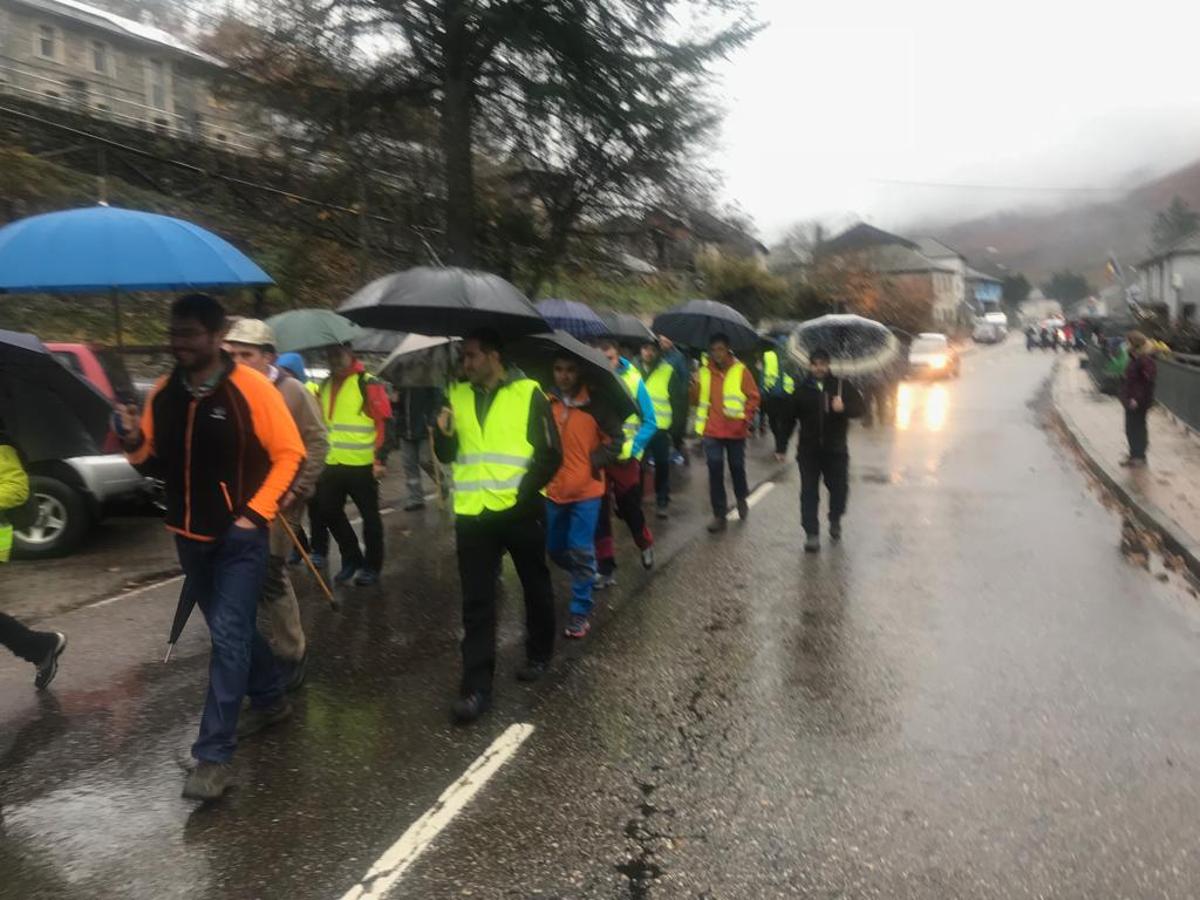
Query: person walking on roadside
point(356, 409)
point(726, 398)
point(220, 437)
point(1137, 396)
point(293, 364)
point(42, 648)
point(414, 414)
point(251, 342)
point(778, 389)
point(498, 433)
point(669, 393)
point(624, 476)
point(591, 439)
point(824, 406)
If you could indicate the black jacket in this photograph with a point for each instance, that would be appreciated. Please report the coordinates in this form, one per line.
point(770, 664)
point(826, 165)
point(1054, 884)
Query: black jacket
point(821, 429)
point(415, 413)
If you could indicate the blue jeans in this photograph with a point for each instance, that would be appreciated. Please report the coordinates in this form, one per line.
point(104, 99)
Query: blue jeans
point(715, 451)
point(570, 543)
point(225, 578)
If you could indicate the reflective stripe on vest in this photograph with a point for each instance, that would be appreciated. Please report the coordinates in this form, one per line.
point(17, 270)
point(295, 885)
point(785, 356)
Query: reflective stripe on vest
point(491, 459)
point(351, 430)
point(659, 386)
point(771, 374)
point(6, 542)
point(733, 400)
point(634, 423)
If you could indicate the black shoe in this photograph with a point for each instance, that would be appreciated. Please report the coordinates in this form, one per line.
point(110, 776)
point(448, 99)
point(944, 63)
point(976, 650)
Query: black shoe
point(298, 674)
point(254, 720)
point(48, 667)
point(414, 506)
point(812, 543)
point(717, 524)
point(835, 530)
point(743, 510)
point(366, 578)
point(348, 571)
point(469, 708)
point(534, 670)
point(208, 781)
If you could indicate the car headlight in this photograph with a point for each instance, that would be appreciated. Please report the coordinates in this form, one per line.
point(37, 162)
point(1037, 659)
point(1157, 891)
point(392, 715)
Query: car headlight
point(938, 362)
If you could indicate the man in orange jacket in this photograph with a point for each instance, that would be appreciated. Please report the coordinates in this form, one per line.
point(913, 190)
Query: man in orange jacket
point(591, 440)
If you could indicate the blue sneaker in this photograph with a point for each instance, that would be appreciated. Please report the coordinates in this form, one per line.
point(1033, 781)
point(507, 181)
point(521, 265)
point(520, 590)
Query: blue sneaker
point(678, 459)
point(366, 578)
point(348, 571)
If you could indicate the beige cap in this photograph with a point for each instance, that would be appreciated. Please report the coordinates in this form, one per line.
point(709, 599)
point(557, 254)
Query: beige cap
point(254, 332)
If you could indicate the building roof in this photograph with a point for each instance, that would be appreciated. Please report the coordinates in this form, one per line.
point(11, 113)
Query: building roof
point(1188, 245)
point(710, 229)
point(862, 237)
point(976, 275)
point(893, 259)
point(119, 25)
point(935, 249)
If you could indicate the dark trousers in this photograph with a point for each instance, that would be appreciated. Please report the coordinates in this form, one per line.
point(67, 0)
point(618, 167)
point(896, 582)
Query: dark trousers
point(624, 495)
point(1136, 433)
point(835, 468)
point(659, 449)
point(716, 451)
point(357, 482)
point(31, 646)
point(779, 415)
point(225, 578)
point(482, 542)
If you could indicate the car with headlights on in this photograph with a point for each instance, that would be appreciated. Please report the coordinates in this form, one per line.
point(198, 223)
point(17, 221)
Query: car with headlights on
point(931, 356)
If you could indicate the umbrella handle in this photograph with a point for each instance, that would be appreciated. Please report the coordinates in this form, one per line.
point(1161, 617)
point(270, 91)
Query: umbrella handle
point(311, 566)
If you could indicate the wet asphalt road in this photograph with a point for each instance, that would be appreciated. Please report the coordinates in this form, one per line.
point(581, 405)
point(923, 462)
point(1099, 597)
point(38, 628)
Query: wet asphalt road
point(975, 695)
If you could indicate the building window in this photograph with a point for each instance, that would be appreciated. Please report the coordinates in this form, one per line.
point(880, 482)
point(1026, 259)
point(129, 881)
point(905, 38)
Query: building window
point(156, 74)
point(101, 59)
point(46, 42)
point(77, 91)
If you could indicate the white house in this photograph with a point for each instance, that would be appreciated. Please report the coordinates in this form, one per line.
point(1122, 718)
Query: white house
point(1171, 279)
point(953, 307)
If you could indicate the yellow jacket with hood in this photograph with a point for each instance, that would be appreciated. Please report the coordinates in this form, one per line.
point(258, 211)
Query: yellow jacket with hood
point(14, 491)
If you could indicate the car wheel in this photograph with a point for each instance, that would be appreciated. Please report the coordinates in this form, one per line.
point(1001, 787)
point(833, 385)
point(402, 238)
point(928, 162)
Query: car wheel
point(62, 522)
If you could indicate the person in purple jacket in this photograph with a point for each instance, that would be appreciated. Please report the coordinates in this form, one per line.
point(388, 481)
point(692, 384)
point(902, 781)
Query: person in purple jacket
point(1137, 396)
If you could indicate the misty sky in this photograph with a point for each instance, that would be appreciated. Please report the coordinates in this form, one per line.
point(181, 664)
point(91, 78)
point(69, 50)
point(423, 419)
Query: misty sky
point(834, 99)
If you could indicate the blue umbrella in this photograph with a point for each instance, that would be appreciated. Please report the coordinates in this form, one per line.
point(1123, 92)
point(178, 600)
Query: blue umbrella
point(105, 249)
point(575, 318)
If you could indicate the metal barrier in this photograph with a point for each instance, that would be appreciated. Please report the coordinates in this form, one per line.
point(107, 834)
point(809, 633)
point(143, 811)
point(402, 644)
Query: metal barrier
point(1178, 389)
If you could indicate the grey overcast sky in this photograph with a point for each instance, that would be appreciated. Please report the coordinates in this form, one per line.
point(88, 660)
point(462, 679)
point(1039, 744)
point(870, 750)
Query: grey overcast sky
point(835, 100)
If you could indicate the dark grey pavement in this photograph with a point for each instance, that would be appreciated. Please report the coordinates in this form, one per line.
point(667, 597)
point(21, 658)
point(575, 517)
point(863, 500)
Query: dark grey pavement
point(974, 695)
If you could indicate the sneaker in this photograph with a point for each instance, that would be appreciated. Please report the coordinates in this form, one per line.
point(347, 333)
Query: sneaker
point(602, 581)
point(347, 572)
point(1126, 461)
point(208, 781)
point(255, 720)
point(469, 708)
point(298, 674)
point(48, 667)
point(812, 543)
point(678, 459)
point(578, 627)
point(743, 510)
point(835, 530)
point(661, 512)
point(534, 670)
point(318, 561)
point(366, 578)
point(717, 524)
point(648, 558)
point(414, 506)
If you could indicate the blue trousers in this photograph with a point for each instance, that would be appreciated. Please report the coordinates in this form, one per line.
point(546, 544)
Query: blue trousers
point(225, 578)
point(570, 543)
point(716, 450)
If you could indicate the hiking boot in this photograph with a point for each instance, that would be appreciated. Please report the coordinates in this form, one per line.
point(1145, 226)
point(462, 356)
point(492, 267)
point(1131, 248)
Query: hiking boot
point(534, 670)
point(717, 524)
point(578, 627)
point(602, 581)
point(812, 543)
point(469, 708)
point(414, 505)
point(48, 667)
point(347, 572)
point(835, 530)
point(366, 578)
point(648, 558)
point(208, 781)
point(298, 674)
point(743, 510)
point(255, 720)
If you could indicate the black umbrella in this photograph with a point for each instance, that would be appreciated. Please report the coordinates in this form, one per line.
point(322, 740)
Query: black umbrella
point(447, 302)
point(183, 610)
point(859, 349)
point(627, 329)
point(535, 356)
point(50, 412)
point(696, 322)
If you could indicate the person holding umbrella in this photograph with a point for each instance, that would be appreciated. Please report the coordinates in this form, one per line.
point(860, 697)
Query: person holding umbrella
point(726, 398)
point(220, 437)
point(356, 409)
point(669, 393)
point(252, 343)
point(824, 404)
point(498, 434)
point(625, 475)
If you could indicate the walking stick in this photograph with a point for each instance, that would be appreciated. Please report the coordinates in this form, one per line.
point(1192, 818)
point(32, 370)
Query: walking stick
point(333, 603)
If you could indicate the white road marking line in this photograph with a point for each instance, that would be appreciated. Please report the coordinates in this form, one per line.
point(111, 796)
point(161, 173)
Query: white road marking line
point(757, 494)
point(398, 858)
point(125, 595)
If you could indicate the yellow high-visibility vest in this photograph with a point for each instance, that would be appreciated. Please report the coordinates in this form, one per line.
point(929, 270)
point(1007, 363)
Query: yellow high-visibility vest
point(351, 430)
point(633, 424)
point(6, 542)
point(492, 458)
point(771, 372)
point(658, 383)
point(733, 398)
